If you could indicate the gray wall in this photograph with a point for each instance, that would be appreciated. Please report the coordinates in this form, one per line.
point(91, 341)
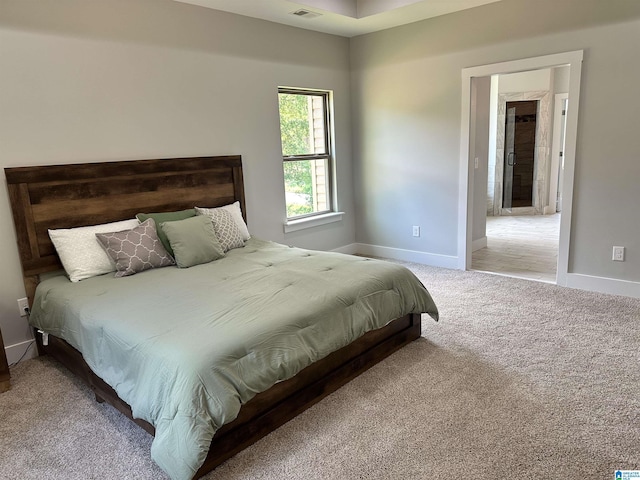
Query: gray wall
point(406, 85)
point(93, 81)
point(85, 81)
point(481, 96)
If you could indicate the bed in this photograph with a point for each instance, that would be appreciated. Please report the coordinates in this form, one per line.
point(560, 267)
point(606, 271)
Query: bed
point(74, 195)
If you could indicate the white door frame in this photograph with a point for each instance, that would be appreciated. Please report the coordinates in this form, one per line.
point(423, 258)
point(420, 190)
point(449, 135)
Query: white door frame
point(465, 201)
point(556, 148)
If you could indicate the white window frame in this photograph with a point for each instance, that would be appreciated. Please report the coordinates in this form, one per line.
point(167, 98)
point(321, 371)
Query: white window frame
point(328, 214)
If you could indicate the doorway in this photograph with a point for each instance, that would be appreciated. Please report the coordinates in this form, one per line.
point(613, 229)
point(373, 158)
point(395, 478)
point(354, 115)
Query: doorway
point(467, 153)
point(513, 112)
point(520, 236)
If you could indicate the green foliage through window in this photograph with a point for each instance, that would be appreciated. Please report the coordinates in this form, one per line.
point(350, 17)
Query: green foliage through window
point(295, 127)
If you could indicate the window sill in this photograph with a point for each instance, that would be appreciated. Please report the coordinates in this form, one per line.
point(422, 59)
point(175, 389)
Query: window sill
point(309, 222)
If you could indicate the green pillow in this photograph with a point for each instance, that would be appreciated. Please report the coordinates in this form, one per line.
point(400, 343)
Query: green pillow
point(193, 241)
point(162, 217)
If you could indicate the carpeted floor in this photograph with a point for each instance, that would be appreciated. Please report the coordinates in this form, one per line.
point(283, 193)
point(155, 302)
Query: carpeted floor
point(518, 380)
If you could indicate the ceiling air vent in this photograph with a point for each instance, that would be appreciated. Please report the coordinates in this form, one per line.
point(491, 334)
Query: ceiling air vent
point(306, 14)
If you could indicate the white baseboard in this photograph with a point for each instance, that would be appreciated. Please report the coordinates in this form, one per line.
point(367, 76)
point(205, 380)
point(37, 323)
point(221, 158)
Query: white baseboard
point(612, 286)
point(479, 243)
point(431, 259)
point(17, 350)
point(350, 249)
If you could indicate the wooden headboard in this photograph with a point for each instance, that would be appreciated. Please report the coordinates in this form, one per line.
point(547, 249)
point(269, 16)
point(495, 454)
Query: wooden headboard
point(73, 195)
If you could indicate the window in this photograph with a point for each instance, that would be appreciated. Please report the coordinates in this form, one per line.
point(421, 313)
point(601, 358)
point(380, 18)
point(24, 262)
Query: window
point(306, 151)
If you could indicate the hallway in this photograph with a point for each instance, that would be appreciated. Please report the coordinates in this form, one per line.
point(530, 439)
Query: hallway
point(521, 246)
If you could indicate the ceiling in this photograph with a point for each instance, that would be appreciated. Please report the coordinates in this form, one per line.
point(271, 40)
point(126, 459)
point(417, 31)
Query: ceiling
point(347, 18)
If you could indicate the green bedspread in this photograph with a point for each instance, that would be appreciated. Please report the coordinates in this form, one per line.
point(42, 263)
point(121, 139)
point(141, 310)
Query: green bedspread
point(187, 347)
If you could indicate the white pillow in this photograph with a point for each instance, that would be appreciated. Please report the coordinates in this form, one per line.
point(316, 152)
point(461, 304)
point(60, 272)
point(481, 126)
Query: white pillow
point(81, 254)
point(235, 211)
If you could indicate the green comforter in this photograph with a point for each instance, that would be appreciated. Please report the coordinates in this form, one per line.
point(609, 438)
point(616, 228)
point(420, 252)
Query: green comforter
point(187, 347)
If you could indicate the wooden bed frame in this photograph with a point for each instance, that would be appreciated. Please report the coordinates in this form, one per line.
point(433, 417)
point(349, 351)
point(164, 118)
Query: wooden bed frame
point(66, 196)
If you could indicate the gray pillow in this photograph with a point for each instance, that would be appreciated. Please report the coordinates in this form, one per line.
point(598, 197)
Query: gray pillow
point(235, 211)
point(193, 241)
point(225, 227)
point(135, 250)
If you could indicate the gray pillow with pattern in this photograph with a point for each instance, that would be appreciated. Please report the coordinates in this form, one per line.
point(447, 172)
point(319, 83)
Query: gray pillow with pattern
point(135, 250)
point(225, 227)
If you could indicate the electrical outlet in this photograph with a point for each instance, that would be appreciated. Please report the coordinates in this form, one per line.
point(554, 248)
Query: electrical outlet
point(23, 306)
point(618, 254)
point(416, 231)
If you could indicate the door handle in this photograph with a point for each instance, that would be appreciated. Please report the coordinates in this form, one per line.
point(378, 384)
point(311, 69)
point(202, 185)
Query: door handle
point(511, 159)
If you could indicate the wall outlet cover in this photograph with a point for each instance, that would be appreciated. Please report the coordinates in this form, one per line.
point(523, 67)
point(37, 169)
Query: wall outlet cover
point(618, 254)
point(23, 304)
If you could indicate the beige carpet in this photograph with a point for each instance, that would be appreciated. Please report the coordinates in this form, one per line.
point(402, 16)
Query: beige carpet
point(519, 380)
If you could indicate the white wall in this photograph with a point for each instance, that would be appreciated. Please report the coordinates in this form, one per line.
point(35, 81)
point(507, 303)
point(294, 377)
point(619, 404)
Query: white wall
point(561, 80)
point(85, 81)
point(407, 106)
point(532, 81)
